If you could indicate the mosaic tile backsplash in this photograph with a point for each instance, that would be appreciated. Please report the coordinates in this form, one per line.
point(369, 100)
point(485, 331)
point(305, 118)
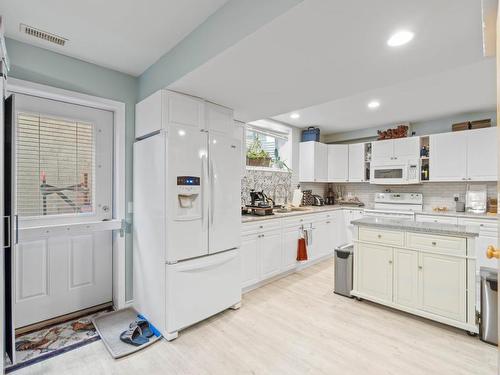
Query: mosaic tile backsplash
point(277, 185)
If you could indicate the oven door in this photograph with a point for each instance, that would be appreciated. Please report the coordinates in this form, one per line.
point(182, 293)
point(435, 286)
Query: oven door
point(389, 175)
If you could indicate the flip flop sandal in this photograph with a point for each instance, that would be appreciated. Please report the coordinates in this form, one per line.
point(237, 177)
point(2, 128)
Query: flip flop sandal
point(133, 336)
point(144, 326)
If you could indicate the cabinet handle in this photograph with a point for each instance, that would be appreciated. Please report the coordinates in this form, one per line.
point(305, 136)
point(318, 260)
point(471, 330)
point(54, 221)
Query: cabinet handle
point(379, 236)
point(328, 222)
point(390, 262)
point(262, 235)
point(434, 243)
point(420, 267)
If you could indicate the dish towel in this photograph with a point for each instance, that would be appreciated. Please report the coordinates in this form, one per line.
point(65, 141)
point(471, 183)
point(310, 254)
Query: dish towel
point(301, 250)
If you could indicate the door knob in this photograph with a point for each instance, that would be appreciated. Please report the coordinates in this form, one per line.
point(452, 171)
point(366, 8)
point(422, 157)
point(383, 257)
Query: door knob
point(492, 252)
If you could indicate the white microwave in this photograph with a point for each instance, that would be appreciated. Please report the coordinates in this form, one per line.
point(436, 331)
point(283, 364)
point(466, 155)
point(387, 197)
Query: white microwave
point(395, 173)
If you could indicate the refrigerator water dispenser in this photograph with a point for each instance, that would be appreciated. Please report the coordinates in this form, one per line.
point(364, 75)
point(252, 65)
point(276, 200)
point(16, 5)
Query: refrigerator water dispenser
point(188, 197)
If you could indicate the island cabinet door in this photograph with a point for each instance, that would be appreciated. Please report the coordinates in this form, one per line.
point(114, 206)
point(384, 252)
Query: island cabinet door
point(406, 277)
point(442, 285)
point(375, 271)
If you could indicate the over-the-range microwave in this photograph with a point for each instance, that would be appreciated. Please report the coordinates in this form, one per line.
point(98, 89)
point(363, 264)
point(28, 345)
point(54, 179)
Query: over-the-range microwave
point(393, 172)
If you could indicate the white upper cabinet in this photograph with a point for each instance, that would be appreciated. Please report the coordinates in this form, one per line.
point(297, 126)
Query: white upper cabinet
point(338, 163)
point(396, 149)
point(164, 108)
point(469, 155)
point(148, 114)
point(356, 162)
point(382, 150)
point(482, 156)
point(313, 162)
point(448, 158)
point(219, 119)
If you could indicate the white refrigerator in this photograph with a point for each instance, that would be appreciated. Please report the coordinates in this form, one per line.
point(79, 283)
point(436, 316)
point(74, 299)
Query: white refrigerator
point(186, 224)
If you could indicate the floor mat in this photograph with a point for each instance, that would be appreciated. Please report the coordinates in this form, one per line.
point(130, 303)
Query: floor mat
point(37, 346)
point(111, 325)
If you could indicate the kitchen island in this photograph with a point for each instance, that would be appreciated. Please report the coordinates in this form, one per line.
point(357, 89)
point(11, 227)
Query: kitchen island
point(427, 269)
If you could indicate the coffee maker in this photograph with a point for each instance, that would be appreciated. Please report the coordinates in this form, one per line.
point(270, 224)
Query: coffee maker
point(330, 197)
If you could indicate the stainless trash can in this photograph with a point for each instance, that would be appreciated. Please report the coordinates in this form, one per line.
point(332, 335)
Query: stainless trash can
point(343, 270)
point(488, 324)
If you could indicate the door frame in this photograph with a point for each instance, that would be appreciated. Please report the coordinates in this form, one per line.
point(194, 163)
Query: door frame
point(19, 86)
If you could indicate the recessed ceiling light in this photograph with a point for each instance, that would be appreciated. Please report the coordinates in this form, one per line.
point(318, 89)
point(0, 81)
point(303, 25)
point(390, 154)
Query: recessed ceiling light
point(399, 38)
point(374, 104)
point(295, 116)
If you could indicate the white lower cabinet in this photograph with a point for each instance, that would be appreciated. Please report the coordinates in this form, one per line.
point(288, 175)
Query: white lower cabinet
point(290, 244)
point(270, 254)
point(374, 271)
point(427, 281)
point(442, 286)
point(406, 277)
point(249, 260)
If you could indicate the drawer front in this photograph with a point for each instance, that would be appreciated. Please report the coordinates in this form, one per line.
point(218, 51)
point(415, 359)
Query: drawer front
point(440, 244)
point(297, 220)
point(261, 226)
point(328, 215)
point(387, 237)
point(487, 228)
point(437, 219)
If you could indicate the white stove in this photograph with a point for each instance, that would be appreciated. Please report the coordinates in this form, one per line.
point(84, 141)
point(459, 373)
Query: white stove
point(397, 205)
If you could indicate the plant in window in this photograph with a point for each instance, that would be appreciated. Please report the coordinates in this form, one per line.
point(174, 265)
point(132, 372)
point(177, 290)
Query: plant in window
point(256, 155)
point(278, 163)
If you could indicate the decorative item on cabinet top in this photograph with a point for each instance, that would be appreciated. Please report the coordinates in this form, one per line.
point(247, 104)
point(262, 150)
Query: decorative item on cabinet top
point(401, 131)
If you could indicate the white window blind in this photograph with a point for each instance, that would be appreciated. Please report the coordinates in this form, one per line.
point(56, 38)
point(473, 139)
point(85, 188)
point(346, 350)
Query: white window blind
point(55, 166)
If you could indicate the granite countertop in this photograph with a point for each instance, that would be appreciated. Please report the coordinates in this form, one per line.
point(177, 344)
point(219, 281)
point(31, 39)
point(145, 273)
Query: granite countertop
point(421, 227)
point(306, 211)
point(430, 211)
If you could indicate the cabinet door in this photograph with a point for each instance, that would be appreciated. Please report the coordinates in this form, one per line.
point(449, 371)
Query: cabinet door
point(374, 271)
point(321, 162)
point(407, 148)
point(382, 150)
point(219, 119)
point(240, 133)
point(185, 110)
point(357, 162)
point(322, 244)
point(442, 285)
point(306, 161)
point(270, 254)
point(448, 156)
point(290, 244)
point(482, 154)
point(249, 255)
point(338, 165)
point(406, 277)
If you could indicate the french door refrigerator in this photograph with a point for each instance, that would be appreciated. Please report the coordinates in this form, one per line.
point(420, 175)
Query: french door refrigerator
point(186, 226)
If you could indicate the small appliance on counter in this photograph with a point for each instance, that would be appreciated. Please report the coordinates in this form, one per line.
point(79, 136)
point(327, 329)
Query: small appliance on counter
point(475, 199)
point(260, 204)
point(488, 324)
point(307, 198)
point(330, 197)
point(318, 200)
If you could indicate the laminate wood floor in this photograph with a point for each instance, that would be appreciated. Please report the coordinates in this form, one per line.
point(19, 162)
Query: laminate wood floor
point(296, 325)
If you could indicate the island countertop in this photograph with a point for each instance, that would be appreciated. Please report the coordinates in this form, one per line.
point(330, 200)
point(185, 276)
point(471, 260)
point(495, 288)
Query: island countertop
point(416, 226)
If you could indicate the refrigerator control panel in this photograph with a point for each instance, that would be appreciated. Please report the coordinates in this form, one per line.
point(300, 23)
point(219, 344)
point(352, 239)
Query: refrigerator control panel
point(188, 181)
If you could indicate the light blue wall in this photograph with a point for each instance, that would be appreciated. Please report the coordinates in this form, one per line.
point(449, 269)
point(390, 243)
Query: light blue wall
point(231, 23)
point(432, 126)
point(42, 66)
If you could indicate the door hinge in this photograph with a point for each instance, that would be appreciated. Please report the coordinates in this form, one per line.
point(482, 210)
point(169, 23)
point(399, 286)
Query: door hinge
point(478, 317)
point(125, 228)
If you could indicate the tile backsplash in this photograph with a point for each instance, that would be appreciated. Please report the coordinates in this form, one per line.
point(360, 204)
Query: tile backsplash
point(276, 184)
point(435, 193)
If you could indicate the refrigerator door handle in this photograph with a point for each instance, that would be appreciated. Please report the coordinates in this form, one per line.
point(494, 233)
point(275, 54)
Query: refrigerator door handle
point(212, 194)
point(204, 173)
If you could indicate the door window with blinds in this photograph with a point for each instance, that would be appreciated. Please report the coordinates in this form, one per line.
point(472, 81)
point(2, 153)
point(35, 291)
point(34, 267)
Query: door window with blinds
point(63, 161)
point(267, 148)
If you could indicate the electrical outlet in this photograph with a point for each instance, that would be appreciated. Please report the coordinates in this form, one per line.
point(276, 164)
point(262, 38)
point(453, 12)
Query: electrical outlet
point(456, 197)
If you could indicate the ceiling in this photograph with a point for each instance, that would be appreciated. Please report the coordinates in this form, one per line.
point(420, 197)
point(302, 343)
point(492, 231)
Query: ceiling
point(124, 35)
point(335, 52)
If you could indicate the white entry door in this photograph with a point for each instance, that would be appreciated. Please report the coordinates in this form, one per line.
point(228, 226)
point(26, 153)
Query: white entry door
point(63, 189)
